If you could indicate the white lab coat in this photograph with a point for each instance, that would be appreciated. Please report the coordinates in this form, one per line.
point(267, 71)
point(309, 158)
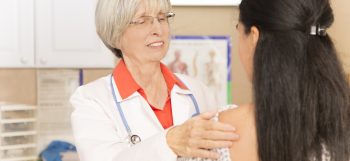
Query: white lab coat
point(100, 134)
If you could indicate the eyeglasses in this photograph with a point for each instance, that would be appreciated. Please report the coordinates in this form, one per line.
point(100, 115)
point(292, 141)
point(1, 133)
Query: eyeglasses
point(147, 21)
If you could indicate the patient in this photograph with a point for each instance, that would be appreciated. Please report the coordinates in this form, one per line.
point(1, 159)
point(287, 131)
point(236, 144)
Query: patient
point(301, 107)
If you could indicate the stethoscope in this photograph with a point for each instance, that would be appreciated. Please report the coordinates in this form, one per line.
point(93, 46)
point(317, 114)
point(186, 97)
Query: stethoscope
point(133, 138)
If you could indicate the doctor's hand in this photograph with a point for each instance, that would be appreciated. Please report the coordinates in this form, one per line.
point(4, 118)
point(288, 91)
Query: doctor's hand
point(197, 135)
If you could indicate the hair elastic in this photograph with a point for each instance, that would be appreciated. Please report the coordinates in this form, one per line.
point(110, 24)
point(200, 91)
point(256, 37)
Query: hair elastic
point(318, 30)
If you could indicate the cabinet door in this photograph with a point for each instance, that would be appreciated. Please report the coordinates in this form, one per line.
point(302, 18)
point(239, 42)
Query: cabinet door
point(16, 33)
point(66, 35)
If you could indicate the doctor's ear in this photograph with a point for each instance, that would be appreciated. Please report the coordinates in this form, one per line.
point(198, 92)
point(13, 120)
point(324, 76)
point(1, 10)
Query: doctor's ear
point(118, 43)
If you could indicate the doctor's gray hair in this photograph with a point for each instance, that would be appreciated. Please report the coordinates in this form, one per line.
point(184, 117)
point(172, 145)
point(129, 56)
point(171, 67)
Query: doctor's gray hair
point(112, 17)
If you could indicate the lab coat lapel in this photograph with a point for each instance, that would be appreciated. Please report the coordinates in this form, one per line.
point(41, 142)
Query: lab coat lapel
point(138, 114)
point(182, 106)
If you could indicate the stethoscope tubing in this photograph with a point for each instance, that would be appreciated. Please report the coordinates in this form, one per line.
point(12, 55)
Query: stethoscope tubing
point(121, 113)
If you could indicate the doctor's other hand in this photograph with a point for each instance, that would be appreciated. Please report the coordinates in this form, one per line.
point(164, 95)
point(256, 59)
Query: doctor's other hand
point(197, 135)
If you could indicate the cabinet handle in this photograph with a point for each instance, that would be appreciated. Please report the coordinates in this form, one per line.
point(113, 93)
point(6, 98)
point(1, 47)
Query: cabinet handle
point(24, 60)
point(43, 61)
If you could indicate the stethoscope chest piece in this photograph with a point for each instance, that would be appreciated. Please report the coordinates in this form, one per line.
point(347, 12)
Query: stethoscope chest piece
point(134, 139)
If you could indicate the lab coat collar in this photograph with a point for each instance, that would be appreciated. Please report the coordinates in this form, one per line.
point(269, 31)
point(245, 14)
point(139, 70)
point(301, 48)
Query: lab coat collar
point(140, 116)
point(135, 106)
point(180, 90)
point(119, 97)
point(124, 80)
point(176, 88)
point(182, 110)
point(182, 105)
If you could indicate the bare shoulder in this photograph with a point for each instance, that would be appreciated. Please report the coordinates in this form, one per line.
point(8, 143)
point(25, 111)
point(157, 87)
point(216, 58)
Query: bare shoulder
point(242, 118)
point(237, 115)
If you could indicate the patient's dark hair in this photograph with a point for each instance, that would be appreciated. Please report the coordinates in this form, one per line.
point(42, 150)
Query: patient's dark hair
point(300, 91)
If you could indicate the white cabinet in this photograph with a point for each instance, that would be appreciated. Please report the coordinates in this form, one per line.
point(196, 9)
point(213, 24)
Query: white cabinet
point(66, 35)
point(51, 34)
point(16, 33)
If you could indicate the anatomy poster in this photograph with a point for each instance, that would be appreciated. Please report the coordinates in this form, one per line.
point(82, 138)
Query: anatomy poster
point(206, 58)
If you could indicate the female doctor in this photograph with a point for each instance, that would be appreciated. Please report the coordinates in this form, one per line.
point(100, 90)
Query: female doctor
point(142, 111)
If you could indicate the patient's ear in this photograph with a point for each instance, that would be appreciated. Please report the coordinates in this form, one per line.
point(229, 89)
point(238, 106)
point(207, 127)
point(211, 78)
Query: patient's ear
point(252, 41)
point(254, 36)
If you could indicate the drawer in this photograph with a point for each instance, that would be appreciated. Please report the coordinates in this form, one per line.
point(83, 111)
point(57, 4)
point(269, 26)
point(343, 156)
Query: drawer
point(17, 153)
point(16, 140)
point(19, 114)
point(15, 127)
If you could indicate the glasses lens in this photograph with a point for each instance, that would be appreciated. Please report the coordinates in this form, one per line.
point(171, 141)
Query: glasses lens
point(146, 21)
point(170, 16)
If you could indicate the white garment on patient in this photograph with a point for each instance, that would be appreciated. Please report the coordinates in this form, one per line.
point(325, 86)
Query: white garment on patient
point(223, 152)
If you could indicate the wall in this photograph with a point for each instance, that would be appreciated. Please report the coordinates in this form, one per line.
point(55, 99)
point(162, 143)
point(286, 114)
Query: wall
point(215, 21)
point(19, 85)
point(340, 31)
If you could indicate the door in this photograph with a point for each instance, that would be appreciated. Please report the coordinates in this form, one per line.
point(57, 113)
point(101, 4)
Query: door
point(66, 36)
point(16, 33)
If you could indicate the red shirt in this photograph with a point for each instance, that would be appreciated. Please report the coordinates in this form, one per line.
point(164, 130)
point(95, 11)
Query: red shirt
point(127, 86)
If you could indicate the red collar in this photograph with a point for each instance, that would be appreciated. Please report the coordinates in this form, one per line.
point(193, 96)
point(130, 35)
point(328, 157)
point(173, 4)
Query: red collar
point(127, 85)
